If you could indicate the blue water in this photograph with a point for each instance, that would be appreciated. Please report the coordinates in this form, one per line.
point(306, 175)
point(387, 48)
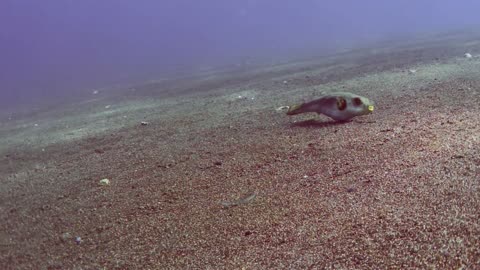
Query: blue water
point(51, 49)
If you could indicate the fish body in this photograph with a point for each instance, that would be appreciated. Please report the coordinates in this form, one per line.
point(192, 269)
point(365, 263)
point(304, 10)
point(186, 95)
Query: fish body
point(340, 106)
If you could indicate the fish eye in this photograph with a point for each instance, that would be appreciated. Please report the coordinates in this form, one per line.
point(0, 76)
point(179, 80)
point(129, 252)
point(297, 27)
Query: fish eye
point(341, 103)
point(357, 101)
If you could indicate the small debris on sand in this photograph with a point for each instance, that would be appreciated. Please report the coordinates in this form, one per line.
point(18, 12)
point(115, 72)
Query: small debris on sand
point(351, 189)
point(468, 55)
point(66, 236)
point(243, 200)
point(104, 182)
point(144, 123)
point(78, 240)
point(412, 71)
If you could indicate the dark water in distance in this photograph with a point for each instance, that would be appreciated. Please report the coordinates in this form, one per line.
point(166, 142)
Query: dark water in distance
point(51, 49)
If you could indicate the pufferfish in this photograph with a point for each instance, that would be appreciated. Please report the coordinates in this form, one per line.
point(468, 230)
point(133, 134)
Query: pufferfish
point(340, 106)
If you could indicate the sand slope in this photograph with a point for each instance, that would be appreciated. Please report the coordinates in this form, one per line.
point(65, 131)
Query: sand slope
point(398, 189)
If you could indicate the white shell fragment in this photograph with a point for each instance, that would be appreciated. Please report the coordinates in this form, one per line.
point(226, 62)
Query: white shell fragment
point(104, 182)
point(412, 71)
point(467, 55)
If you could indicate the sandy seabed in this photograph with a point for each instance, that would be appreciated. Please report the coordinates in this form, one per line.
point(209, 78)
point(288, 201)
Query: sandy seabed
point(397, 189)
